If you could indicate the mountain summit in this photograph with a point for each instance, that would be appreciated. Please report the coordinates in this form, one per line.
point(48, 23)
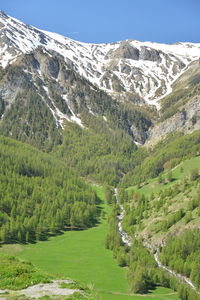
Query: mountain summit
point(139, 71)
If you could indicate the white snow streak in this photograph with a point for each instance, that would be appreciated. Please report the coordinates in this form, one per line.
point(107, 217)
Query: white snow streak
point(93, 60)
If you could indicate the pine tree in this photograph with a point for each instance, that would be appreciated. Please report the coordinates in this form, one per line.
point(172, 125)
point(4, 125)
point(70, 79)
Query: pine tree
point(19, 236)
point(27, 237)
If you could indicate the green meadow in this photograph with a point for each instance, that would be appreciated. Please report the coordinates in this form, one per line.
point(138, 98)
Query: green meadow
point(183, 170)
point(158, 294)
point(82, 256)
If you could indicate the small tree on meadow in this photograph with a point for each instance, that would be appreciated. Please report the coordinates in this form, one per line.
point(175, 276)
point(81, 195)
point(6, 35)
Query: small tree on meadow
point(160, 179)
point(169, 177)
point(194, 174)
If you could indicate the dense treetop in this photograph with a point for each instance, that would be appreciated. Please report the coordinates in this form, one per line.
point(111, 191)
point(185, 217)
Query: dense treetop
point(39, 195)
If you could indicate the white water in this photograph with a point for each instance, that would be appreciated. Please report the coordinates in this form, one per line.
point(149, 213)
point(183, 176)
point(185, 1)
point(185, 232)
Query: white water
point(171, 272)
point(127, 240)
point(124, 236)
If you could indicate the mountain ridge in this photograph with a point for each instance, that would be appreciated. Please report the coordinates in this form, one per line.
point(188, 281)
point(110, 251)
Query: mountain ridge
point(144, 70)
point(138, 86)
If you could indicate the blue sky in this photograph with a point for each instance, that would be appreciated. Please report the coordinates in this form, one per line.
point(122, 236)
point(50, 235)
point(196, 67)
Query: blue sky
point(99, 21)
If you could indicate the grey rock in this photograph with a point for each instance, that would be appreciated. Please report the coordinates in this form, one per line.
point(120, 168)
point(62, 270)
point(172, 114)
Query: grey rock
point(125, 69)
point(126, 51)
point(150, 54)
point(182, 121)
point(1, 25)
point(139, 135)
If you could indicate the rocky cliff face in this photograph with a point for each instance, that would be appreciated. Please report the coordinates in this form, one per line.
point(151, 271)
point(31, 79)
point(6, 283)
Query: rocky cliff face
point(180, 110)
point(186, 120)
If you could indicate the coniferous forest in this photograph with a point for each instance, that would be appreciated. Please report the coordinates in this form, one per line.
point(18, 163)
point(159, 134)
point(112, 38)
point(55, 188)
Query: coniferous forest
point(39, 196)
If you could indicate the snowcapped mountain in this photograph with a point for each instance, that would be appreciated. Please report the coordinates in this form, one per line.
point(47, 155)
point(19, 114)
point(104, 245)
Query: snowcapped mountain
point(48, 80)
point(136, 71)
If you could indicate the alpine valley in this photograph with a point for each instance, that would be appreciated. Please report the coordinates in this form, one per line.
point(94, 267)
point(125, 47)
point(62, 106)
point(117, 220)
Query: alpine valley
point(100, 167)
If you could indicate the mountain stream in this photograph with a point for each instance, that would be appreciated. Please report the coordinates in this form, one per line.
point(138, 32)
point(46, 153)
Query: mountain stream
point(127, 240)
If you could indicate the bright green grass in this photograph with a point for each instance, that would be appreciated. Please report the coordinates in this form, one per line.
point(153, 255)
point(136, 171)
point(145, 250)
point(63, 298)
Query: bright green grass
point(177, 175)
point(17, 275)
point(81, 255)
point(161, 290)
point(141, 297)
point(159, 293)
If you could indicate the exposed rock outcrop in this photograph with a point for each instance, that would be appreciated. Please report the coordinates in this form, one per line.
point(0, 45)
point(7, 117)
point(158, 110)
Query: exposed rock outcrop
point(186, 120)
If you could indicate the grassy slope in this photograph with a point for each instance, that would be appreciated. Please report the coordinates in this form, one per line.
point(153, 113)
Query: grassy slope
point(158, 294)
point(151, 225)
point(81, 255)
point(153, 187)
point(17, 275)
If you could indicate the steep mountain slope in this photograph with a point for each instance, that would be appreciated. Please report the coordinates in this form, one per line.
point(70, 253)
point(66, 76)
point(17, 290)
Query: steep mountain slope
point(180, 110)
point(165, 154)
point(144, 70)
point(162, 217)
point(165, 206)
point(47, 80)
point(35, 106)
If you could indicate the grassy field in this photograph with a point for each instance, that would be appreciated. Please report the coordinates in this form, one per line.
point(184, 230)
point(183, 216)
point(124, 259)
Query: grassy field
point(159, 293)
point(81, 255)
point(164, 296)
point(178, 173)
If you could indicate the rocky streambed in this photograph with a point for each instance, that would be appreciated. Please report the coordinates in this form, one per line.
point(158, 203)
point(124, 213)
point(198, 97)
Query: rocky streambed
point(127, 240)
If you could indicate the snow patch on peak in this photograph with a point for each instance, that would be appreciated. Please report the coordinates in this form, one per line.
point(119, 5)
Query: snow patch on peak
point(146, 72)
point(59, 38)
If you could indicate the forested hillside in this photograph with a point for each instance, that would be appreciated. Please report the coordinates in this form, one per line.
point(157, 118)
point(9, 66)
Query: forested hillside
point(149, 163)
point(182, 254)
point(39, 195)
point(167, 204)
point(162, 216)
point(99, 152)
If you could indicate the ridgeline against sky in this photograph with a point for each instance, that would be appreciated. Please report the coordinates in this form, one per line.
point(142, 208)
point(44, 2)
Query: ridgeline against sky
point(102, 21)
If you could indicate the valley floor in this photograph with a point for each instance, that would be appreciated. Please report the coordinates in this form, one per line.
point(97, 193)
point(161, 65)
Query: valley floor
point(81, 255)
